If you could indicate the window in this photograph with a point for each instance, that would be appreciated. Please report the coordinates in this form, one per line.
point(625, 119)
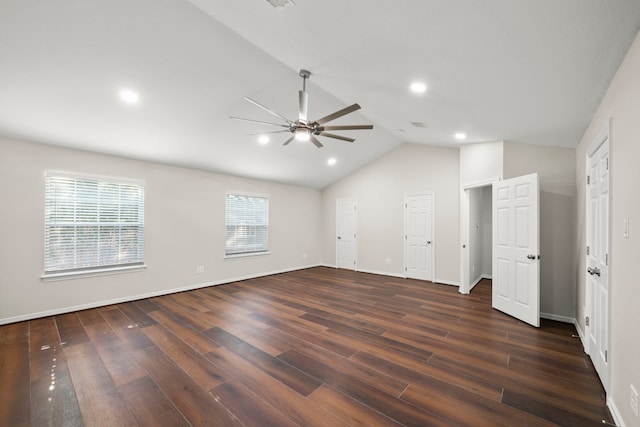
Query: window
point(92, 223)
point(247, 219)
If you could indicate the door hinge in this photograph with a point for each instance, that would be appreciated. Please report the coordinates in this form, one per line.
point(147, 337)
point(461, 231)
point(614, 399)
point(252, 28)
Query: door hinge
point(405, 205)
point(587, 250)
point(587, 321)
point(405, 269)
point(607, 163)
point(588, 180)
point(405, 237)
point(606, 259)
point(605, 356)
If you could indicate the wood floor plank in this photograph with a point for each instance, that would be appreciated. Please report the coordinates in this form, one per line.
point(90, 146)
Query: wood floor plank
point(390, 406)
point(249, 408)
point(206, 374)
point(121, 365)
point(136, 314)
point(53, 397)
point(99, 401)
point(150, 405)
point(291, 403)
point(348, 409)
point(14, 366)
point(192, 337)
point(195, 404)
point(70, 329)
point(295, 379)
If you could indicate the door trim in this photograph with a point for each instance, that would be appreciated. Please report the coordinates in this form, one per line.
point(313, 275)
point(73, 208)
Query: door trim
point(433, 231)
point(465, 285)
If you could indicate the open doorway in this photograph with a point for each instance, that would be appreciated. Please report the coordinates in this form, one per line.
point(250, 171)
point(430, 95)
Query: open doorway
point(476, 236)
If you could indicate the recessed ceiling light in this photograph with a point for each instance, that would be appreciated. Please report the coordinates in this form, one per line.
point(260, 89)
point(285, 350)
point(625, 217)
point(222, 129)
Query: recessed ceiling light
point(129, 96)
point(460, 135)
point(263, 139)
point(332, 161)
point(418, 87)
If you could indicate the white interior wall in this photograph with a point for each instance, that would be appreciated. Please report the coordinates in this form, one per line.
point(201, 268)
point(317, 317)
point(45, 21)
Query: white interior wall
point(380, 188)
point(487, 233)
point(619, 108)
point(476, 243)
point(184, 228)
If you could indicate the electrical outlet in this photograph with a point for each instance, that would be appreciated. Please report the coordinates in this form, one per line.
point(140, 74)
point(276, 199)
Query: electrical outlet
point(200, 270)
point(634, 400)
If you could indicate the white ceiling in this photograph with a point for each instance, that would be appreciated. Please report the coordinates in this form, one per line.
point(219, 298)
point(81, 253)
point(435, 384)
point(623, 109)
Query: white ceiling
point(528, 71)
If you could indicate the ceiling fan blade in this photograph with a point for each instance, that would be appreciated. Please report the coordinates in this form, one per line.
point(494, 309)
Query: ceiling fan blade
point(257, 104)
point(273, 131)
point(340, 113)
point(331, 135)
point(258, 121)
point(303, 105)
point(346, 127)
point(289, 140)
point(316, 142)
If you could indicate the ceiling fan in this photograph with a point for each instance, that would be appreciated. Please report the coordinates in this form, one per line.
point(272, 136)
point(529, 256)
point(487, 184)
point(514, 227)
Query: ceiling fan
point(304, 129)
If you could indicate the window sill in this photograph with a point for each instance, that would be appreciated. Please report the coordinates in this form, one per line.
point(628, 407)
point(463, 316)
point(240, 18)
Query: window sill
point(69, 275)
point(247, 255)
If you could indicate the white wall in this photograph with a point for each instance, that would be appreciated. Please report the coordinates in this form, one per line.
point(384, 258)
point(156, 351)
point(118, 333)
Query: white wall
point(487, 231)
point(380, 188)
point(620, 106)
point(556, 173)
point(476, 244)
point(184, 228)
point(480, 162)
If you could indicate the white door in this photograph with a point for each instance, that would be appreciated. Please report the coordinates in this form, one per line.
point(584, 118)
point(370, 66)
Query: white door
point(516, 241)
point(346, 234)
point(597, 261)
point(418, 245)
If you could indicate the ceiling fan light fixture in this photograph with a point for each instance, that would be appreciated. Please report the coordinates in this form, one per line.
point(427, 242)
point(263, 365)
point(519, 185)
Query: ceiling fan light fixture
point(302, 134)
point(460, 136)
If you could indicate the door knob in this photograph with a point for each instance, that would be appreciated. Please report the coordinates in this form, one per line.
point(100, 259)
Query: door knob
point(590, 271)
point(596, 271)
point(531, 256)
point(339, 237)
point(428, 242)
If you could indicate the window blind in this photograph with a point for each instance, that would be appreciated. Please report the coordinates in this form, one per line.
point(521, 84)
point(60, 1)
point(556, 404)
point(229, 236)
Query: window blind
point(92, 223)
point(247, 220)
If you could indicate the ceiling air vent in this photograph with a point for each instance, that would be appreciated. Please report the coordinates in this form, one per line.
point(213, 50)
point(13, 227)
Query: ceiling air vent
point(280, 4)
point(419, 125)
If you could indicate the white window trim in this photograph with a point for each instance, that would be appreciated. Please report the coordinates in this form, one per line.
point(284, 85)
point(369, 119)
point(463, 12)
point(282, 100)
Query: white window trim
point(49, 276)
point(94, 272)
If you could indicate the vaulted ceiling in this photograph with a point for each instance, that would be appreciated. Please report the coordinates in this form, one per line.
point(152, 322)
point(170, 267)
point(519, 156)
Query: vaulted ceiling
point(526, 71)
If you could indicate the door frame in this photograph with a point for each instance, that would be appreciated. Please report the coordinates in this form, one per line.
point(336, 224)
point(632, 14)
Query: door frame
point(433, 231)
point(355, 246)
point(603, 136)
point(465, 285)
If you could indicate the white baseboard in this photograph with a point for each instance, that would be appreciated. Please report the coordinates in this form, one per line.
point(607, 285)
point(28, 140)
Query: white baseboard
point(381, 273)
point(581, 335)
point(63, 310)
point(617, 418)
point(558, 318)
point(447, 282)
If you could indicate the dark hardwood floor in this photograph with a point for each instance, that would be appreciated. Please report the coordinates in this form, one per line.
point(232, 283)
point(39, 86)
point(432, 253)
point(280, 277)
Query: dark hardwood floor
point(317, 347)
